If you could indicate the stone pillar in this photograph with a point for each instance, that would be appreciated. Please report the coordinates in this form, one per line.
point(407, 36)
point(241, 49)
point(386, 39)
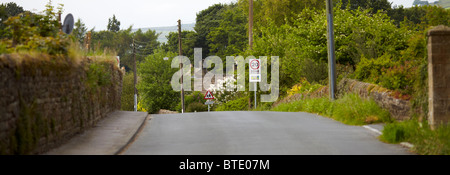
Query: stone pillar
point(439, 75)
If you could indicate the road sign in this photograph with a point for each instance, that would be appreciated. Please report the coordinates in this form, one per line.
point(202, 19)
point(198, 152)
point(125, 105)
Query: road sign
point(67, 26)
point(255, 70)
point(208, 95)
point(209, 102)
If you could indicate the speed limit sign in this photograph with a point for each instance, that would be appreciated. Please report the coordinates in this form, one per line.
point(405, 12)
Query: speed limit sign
point(255, 70)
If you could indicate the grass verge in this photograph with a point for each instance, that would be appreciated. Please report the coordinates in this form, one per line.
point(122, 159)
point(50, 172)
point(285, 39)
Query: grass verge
point(349, 109)
point(425, 140)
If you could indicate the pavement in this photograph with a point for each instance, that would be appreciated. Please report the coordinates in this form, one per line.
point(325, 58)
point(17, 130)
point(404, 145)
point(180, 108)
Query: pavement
point(110, 136)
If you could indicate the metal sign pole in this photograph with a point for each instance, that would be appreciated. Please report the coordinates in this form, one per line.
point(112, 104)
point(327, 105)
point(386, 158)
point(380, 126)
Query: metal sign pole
point(255, 95)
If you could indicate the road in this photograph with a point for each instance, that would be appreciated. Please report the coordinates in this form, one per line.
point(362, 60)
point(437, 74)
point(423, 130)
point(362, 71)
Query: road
point(255, 133)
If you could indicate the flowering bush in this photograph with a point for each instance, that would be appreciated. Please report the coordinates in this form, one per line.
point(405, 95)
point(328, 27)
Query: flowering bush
point(221, 95)
point(303, 87)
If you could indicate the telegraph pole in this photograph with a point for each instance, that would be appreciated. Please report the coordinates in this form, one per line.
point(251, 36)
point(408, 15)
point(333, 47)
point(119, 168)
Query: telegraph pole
point(331, 56)
point(135, 77)
point(250, 43)
point(181, 65)
point(250, 24)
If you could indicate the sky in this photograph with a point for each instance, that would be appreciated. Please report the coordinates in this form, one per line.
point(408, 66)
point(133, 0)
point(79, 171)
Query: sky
point(139, 13)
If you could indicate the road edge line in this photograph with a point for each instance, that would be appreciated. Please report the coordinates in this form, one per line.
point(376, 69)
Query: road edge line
point(372, 129)
point(133, 138)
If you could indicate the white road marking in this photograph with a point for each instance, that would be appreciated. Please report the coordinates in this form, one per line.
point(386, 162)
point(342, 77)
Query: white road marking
point(372, 129)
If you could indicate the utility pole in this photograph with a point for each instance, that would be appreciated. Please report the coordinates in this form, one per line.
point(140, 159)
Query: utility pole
point(135, 77)
point(250, 24)
point(331, 56)
point(250, 43)
point(181, 65)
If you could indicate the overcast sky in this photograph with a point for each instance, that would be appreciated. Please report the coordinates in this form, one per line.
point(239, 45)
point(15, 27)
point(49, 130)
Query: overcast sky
point(139, 13)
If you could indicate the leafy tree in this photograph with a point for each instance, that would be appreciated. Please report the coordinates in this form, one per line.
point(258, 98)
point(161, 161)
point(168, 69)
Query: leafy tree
point(155, 74)
point(8, 10)
point(121, 43)
point(230, 37)
point(420, 16)
point(374, 5)
point(79, 31)
point(357, 33)
point(113, 24)
point(188, 41)
point(146, 42)
point(205, 21)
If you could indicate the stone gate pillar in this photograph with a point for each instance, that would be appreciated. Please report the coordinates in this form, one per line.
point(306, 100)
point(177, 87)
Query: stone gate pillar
point(439, 75)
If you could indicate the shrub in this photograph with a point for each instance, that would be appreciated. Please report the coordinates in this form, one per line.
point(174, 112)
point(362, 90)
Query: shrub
point(196, 107)
point(194, 97)
point(239, 104)
point(303, 87)
point(35, 32)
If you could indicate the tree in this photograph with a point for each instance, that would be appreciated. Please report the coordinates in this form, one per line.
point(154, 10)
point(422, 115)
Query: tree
point(8, 10)
point(145, 42)
point(375, 5)
point(155, 90)
point(113, 24)
point(205, 21)
point(230, 37)
point(188, 41)
point(79, 31)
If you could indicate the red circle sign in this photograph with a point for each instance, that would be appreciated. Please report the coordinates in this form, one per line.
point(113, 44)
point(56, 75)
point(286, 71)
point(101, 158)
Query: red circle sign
point(254, 64)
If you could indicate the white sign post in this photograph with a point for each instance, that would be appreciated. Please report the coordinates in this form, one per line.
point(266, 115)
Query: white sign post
point(209, 96)
point(255, 73)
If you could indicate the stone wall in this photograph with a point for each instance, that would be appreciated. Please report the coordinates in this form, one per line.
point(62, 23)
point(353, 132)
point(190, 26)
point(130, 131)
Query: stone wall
point(439, 75)
point(44, 100)
point(398, 106)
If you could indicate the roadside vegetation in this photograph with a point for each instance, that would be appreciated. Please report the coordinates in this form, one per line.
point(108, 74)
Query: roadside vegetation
point(349, 109)
point(426, 141)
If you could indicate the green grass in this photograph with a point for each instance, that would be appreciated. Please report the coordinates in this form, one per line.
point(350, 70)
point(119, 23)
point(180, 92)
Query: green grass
point(349, 109)
point(425, 140)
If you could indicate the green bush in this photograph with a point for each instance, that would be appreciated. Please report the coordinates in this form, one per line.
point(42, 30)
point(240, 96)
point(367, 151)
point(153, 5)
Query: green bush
point(35, 32)
point(194, 97)
point(240, 104)
point(196, 107)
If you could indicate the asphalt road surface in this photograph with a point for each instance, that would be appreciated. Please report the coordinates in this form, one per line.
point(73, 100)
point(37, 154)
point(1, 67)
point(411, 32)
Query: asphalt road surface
point(255, 133)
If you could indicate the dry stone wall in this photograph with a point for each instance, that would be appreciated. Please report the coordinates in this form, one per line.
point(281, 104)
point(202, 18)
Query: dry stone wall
point(400, 109)
point(46, 100)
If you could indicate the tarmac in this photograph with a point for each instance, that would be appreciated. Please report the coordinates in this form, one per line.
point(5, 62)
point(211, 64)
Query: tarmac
point(110, 136)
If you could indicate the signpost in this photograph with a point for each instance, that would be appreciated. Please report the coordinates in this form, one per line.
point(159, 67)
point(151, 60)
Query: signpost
point(209, 96)
point(255, 73)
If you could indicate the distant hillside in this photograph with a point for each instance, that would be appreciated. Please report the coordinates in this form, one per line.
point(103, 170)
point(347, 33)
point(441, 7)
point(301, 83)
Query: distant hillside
point(444, 3)
point(166, 30)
